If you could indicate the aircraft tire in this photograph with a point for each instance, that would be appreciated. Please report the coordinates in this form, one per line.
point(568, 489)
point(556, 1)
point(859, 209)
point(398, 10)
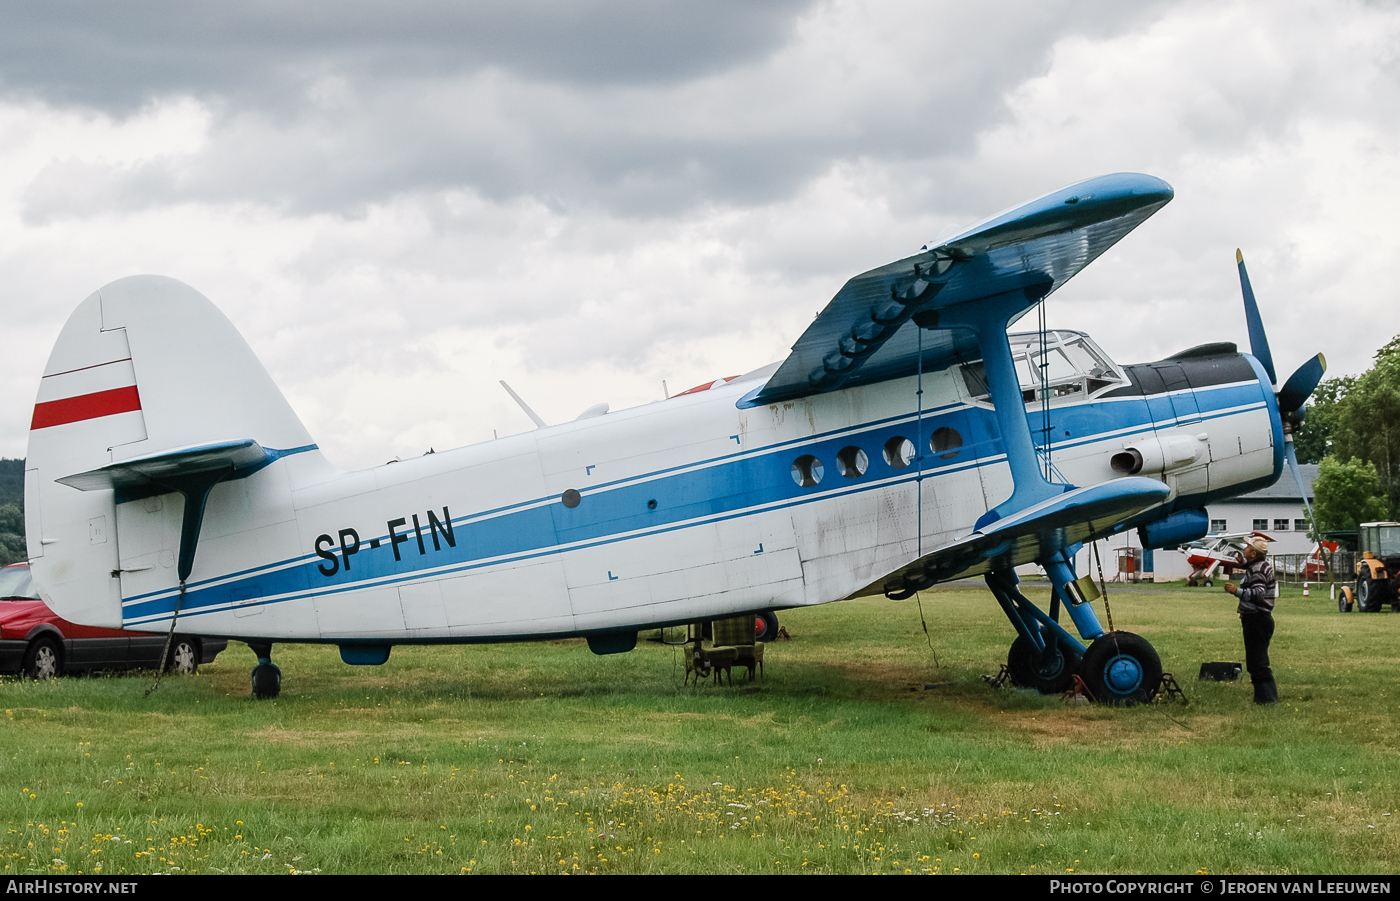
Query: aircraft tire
point(770, 625)
point(1053, 676)
point(43, 660)
point(1121, 668)
point(184, 657)
point(267, 681)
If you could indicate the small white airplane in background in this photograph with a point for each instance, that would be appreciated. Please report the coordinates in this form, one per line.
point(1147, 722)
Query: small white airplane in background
point(1213, 554)
point(1224, 553)
point(905, 441)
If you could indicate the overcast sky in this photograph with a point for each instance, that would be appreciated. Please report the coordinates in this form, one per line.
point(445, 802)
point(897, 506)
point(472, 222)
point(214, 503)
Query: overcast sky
point(400, 204)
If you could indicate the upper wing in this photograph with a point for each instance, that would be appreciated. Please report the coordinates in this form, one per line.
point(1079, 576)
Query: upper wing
point(867, 333)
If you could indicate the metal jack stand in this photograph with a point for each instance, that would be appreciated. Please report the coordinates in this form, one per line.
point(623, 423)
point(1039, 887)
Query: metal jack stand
point(1078, 691)
point(1170, 691)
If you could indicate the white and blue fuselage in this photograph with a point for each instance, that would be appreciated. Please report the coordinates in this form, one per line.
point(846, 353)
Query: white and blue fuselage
point(691, 508)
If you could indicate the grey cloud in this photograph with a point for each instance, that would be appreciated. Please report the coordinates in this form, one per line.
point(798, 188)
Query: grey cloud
point(640, 110)
point(117, 56)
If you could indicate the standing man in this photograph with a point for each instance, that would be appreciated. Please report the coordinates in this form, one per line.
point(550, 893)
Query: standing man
point(1256, 595)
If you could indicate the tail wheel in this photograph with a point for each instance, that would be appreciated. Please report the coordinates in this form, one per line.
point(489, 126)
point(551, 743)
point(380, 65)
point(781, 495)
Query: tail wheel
point(42, 661)
point(267, 681)
point(1122, 668)
point(765, 625)
point(1049, 673)
point(184, 657)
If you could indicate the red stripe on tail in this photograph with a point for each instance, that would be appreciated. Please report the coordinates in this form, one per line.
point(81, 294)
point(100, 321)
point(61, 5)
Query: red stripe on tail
point(86, 406)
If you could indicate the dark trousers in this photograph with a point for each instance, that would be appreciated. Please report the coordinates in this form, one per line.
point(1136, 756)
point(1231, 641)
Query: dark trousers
point(1258, 631)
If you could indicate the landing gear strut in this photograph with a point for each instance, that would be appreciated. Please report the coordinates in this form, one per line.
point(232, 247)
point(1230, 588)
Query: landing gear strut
point(1044, 656)
point(266, 677)
point(1117, 668)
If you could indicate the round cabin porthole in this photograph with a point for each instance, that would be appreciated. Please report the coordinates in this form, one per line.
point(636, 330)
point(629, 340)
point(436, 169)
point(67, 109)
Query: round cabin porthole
point(852, 462)
point(945, 442)
point(899, 452)
point(807, 471)
point(571, 498)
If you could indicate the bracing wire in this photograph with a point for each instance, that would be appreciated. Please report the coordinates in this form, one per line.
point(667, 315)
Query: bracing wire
point(919, 483)
point(1045, 391)
point(169, 637)
point(1103, 587)
point(919, 444)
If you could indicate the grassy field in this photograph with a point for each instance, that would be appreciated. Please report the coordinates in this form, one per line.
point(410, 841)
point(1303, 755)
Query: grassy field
point(544, 758)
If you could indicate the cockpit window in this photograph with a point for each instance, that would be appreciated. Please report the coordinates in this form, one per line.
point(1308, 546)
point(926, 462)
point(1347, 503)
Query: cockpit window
point(1066, 366)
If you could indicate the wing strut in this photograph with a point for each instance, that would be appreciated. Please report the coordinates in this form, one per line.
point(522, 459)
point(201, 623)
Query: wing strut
point(987, 320)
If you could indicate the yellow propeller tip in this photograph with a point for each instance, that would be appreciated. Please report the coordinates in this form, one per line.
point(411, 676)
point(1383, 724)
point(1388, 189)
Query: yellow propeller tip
point(1323, 360)
point(1239, 257)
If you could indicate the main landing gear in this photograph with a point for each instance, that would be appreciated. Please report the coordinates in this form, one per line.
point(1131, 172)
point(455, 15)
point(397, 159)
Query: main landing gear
point(266, 677)
point(1121, 668)
point(1116, 667)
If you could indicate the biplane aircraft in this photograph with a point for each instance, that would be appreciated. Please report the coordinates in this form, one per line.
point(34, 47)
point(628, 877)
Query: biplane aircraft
point(905, 441)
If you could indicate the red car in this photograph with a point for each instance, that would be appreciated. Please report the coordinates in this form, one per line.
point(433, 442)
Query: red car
point(33, 638)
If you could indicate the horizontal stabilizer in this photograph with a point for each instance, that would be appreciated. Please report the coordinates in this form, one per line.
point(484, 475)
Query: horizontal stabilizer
point(191, 471)
point(239, 457)
point(1032, 534)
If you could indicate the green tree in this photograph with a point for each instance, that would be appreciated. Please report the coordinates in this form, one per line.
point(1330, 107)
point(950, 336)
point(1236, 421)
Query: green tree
point(12, 481)
point(1314, 441)
point(1346, 494)
point(1365, 423)
point(12, 549)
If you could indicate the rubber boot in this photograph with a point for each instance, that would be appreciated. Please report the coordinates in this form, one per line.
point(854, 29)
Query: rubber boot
point(1266, 692)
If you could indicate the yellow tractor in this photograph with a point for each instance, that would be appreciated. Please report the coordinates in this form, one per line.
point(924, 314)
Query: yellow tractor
point(1376, 570)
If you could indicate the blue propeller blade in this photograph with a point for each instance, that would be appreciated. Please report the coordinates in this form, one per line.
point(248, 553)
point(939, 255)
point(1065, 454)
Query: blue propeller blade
point(1292, 457)
point(1299, 387)
point(1258, 341)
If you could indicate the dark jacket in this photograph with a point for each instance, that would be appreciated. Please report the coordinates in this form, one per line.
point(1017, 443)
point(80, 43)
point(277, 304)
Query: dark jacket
point(1256, 590)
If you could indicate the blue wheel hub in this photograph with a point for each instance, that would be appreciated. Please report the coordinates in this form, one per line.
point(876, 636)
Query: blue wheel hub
point(1123, 674)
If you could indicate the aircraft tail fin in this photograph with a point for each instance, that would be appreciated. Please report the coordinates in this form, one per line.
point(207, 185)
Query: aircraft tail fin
point(145, 369)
